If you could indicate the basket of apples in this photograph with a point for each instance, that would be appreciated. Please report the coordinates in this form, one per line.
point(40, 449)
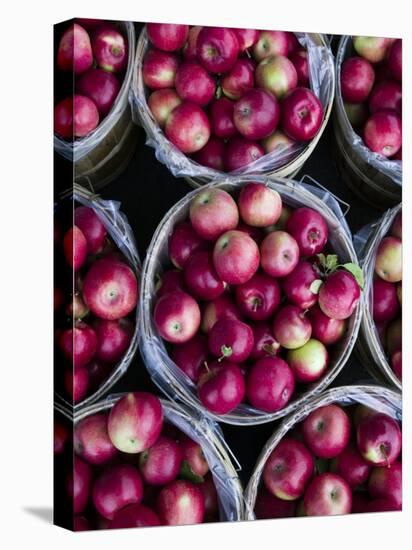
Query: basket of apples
point(368, 117)
point(251, 298)
point(380, 337)
point(339, 454)
point(142, 462)
point(216, 100)
point(92, 125)
point(95, 297)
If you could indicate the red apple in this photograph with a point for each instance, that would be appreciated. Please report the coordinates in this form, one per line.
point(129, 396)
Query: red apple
point(389, 260)
point(381, 505)
point(167, 37)
point(177, 317)
point(308, 362)
point(75, 51)
point(256, 114)
point(326, 330)
point(395, 60)
point(379, 439)
point(327, 431)
point(75, 247)
point(222, 307)
point(277, 75)
point(135, 422)
point(210, 498)
point(259, 297)
point(160, 464)
point(181, 503)
point(279, 254)
point(259, 205)
point(91, 440)
point(101, 87)
point(297, 285)
point(201, 278)
point(189, 48)
point(191, 355)
point(60, 437)
point(193, 83)
point(231, 339)
point(221, 118)
point(350, 465)
point(293, 43)
point(89, 223)
point(188, 127)
point(76, 383)
point(277, 140)
point(182, 243)
point(213, 212)
point(134, 515)
point(161, 103)
point(372, 48)
point(169, 281)
point(159, 69)
point(328, 495)
point(85, 116)
point(387, 483)
point(239, 80)
point(357, 79)
point(113, 339)
point(221, 386)
point(299, 58)
point(264, 343)
point(241, 152)
point(78, 484)
point(396, 228)
point(291, 327)
point(386, 95)
point(193, 457)
point(270, 384)
point(271, 43)
point(109, 49)
point(385, 301)
point(217, 49)
point(269, 507)
point(302, 114)
point(396, 363)
point(236, 257)
point(63, 118)
point(246, 38)
point(309, 229)
point(339, 295)
point(383, 133)
point(78, 344)
point(212, 154)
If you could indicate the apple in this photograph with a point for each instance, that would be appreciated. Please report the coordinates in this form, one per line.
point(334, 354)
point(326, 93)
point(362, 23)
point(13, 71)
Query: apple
point(194, 84)
point(167, 37)
point(63, 118)
point(159, 69)
point(326, 330)
point(277, 75)
point(239, 80)
point(201, 278)
point(372, 48)
point(217, 49)
point(328, 495)
point(388, 263)
point(222, 307)
point(221, 386)
point(188, 127)
point(309, 229)
point(113, 339)
point(160, 464)
point(161, 103)
point(357, 113)
point(241, 152)
point(169, 281)
point(271, 43)
point(394, 336)
point(385, 300)
point(269, 384)
point(350, 465)
point(381, 505)
point(379, 439)
point(387, 483)
point(297, 285)
point(302, 114)
point(101, 87)
point(78, 484)
point(299, 58)
point(279, 254)
point(60, 437)
point(399, 292)
point(236, 257)
point(80, 523)
point(193, 457)
point(109, 49)
point(212, 213)
point(75, 51)
point(246, 38)
point(288, 470)
point(115, 488)
point(326, 431)
point(268, 506)
point(210, 498)
point(357, 79)
point(396, 228)
point(76, 383)
point(191, 355)
point(110, 289)
point(221, 118)
point(339, 295)
point(85, 115)
point(291, 327)
point(277, 140)
point(386, 95)
point(293, 43)
point(396, 363)
point(308, 362)
point(75, 247)
point(134, 515)
point(91, 440)
point(259, 297)
point(182, 243)
point(212, 154)
point(264, 343)
point(135, 422)
point(230, 339)
point(394, 60)
point(181, 503)
point(383, 133)
point(94, 231)
point(177, 317)
point(189, 48)
point(256, 114)
point(259, 205)
point(78, 344)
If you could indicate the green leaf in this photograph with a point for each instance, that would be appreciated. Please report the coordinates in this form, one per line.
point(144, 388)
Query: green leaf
point(356, 272)
point(322, 259)
point(186, 472)
point(315, 286)
point(331, 262)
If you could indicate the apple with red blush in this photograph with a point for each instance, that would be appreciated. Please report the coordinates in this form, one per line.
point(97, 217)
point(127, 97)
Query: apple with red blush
point(291, 327)
point(213, 212)
point(326, 431)
point(236, 257)
point(271, 43)
point(217, 49)
point(279, 254)
point(194, 84)
point(183, 241)
point(177, 317)
point(270, 384)
point(160, 464)
point(240, 79)
point(191, 355)
point(259, 205)
point(308, 362)
point(241, 152)
point(91, 440)
point(221, 386)
point(188, 127)
point(159, 69)
point(328, 495)
point(276, 74)
point(167, 37)
point(221, 118)
point(212, 154)
point(180, 503)
point(301, 114)
point(256, 114)
point(161, 103)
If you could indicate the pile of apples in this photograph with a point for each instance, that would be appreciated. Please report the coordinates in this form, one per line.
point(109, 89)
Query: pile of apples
point(387, 294)
point(371, 85)
point(94, 56)
point(226, 97)
point(96, 308)
point(337, 461)
point(255, 305)
point(132, 469)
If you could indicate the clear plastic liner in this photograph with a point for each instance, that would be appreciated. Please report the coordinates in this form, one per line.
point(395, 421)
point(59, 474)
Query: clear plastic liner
point(80, 147)
point(321, 76)
point(120, 231)
point(210, 437)
point(378, 398)
point(366, 242)
point(391, 168)
point(165, 373)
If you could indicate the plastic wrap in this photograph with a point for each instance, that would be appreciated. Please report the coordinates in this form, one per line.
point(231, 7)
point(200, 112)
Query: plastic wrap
point(381, 399)
point(80, 147)
point(322, 83)
point(366, 242)
point(165, 373)
point(120, 231)
point(210, 437)
point(391, 168)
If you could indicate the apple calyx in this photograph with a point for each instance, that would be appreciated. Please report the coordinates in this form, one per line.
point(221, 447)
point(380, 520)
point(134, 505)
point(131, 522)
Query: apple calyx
point(226, 352)
point(271, 349)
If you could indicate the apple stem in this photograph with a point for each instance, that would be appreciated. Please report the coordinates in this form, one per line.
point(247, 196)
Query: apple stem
point(385, 455)
point(207, 366)
point(247, 52)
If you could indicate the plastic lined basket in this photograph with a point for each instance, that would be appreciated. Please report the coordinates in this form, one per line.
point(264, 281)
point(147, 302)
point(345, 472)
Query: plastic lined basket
point(209, 436)
point(165, 373)
point(381, 399)
point(284, 163)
